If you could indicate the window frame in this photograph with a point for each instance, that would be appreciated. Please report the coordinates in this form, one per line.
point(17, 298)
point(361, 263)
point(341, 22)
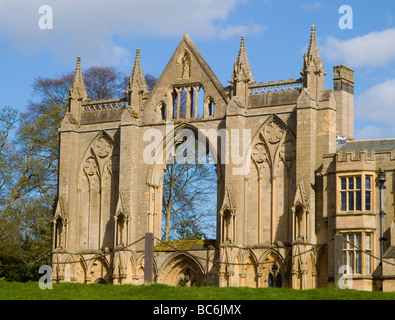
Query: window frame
point(366, 260)
point(347, 193)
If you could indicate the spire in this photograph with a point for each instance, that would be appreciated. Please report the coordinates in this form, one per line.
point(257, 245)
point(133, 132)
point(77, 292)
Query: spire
point(313, 68)
point(137, 85)
point(241, 67)
point(312, 59)
point(137, 79)
point(313, 48)
point(78, 89)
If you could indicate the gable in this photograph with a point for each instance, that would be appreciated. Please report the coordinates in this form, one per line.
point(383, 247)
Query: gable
point(187, 70)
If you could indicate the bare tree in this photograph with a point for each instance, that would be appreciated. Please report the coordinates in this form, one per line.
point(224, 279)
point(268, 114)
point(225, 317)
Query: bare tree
point(189, 200)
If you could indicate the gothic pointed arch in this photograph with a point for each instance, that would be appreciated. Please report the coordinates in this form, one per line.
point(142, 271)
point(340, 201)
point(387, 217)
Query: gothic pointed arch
point(232, 266)
point(164, 154)
point(102, 150)
point(272, 268)
point(300, 212)
point(99, 268)
point(273, 155)
point(75, 269)
point(274, 142)
point(228, 218)
point(167, 147)
point(60, 222)
point(182, 269)
point(121, 221)
point(249, 269)
point(98, 192)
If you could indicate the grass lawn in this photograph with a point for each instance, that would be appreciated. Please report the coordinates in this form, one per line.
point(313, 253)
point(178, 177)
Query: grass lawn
point(72, 291)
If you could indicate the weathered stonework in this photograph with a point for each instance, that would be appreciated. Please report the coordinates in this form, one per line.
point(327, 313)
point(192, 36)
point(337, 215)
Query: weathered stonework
point(275, 223)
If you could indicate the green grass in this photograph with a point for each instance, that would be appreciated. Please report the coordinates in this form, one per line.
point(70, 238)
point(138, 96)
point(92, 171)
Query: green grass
point(71, 291)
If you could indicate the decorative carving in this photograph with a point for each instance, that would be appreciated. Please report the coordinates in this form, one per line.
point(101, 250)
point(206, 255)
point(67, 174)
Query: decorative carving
point(90, 166)
point(274, 132)
point(259, 153)
point(103, 147)
point(274, 87)
point(104, 105)
point(185, 63)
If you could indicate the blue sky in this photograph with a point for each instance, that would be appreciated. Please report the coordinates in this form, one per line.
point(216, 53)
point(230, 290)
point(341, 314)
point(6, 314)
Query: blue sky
point(277, 32)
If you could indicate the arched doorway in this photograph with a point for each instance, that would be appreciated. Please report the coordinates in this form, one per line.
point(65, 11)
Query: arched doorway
point(182, 270)
point(272, 270)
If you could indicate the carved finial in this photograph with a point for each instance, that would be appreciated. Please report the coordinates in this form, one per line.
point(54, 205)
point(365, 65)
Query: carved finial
point(241, 67)
point(313, 48)
point(78, 89)
point(137, 78)
point(313, 67)
point(137, 84)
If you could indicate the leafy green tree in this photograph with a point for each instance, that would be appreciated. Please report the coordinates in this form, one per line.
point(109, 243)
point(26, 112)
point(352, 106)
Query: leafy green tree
point(29, 154)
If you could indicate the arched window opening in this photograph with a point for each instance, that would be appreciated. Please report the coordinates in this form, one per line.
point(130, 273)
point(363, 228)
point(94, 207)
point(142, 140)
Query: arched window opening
point(175, 103)
point(192, 99)
point(58, 232)
point(163, 112)
point(120, 229)
point(211, 108)
point(227, 227)
point(274, 279)
point(183, 103)
point(300, 223)
point(189, 199)
point(200, 103)
point(188, 102)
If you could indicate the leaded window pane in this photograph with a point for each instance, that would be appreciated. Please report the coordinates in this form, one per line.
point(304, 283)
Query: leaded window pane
point(368, 267)
point(343, 183)
point(358, 241)
point(367, 183)
point(358, 200)
point(343, 201)
point(367, 200)
point(350, 240)
point(351, 259)
point(358, 183)
point(351, 183)
point(358, 262)
point(350, 200)
point(368, 241)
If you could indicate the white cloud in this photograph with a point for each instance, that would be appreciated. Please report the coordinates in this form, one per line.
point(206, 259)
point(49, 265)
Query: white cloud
point(371, 50)
point(376, 106)
point(87, 28)
point(377, 103)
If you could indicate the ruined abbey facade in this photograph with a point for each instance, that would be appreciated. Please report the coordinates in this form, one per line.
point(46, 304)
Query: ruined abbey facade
point(302, 180)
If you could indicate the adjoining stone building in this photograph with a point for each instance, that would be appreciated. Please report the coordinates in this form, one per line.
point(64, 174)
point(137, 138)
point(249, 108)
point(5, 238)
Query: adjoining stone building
point(306, 179)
